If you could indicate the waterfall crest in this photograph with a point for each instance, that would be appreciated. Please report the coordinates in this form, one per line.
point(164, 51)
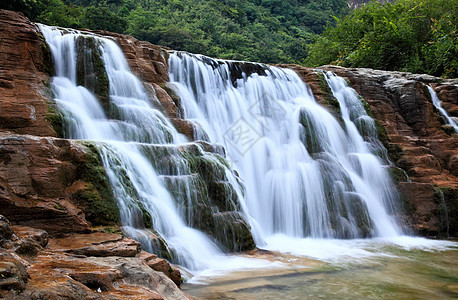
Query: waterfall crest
point(301, 171)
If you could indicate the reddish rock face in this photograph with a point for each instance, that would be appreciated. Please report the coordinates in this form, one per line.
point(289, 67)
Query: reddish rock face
point(107, 266)
point(25, 67)
point(34, 175)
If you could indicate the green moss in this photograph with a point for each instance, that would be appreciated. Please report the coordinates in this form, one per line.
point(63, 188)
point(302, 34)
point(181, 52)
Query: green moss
point(53, 116)
point(97, 197)
point(111, 229)
point(233, 232)
point(309, 138)
point(59, 207)
point(56, 120)
point(47, 65)
point(331, 101)
point(397, 175)
point(91, 71)
point(381, 131)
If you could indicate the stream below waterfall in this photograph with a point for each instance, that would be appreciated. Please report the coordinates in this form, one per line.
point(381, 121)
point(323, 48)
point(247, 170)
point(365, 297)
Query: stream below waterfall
point(399, 268)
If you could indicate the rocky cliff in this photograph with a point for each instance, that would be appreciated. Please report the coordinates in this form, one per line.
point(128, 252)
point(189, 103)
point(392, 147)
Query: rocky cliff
point(64, 217)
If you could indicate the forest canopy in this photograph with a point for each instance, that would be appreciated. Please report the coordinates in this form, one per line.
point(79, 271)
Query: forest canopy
point(274, 31)
point(418, 36)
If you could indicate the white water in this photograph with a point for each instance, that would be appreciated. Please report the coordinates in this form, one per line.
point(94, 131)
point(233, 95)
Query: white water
point(123, 143)
point(437, 104)
point(323, 190)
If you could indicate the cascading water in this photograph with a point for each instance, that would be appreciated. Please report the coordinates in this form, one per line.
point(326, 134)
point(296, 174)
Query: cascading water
point(133, 139)
point(306, 174)
point(437, 104)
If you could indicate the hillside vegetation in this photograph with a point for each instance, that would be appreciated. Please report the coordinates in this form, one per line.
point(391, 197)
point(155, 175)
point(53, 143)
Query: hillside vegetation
point(275, 31)
point(419, 36)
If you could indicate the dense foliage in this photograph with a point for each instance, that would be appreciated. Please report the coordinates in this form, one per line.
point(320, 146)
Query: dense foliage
point(257, 30)
point(418, 36)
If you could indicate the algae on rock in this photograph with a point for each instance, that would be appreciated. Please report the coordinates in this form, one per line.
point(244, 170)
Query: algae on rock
point(96, 195)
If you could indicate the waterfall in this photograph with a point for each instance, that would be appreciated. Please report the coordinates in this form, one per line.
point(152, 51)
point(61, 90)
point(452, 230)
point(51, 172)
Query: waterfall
point(443, 112)
point(307, 173)
point(136, 143)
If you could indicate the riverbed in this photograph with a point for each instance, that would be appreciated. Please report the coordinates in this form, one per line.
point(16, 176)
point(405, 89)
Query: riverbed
point(398, 268)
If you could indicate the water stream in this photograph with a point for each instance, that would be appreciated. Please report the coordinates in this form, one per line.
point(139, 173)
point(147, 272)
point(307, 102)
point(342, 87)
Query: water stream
point(306, 173)
point(437, 104)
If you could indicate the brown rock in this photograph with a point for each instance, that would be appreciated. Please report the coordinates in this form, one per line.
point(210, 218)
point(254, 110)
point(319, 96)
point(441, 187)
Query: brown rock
point(123, 247)
point(168, 105)
point(37, 235)
point(13, 275)
point(161, 265)
point(26, 65)
point(34, 173)
point(6, 232)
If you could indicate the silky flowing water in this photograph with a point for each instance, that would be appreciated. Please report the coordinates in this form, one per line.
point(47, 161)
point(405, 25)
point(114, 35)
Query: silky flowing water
point(437, 103)
point(315, 183)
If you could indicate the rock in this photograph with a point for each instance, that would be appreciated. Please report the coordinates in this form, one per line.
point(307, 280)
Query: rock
point(161, 265)
point(125, 247)
point(6, 232)
point(60, 276)
point(38, 179)
point(147, 61)
point(98, 244)
point(109, 269)
point(37, 235)
point(13, 276)
point(26, 66)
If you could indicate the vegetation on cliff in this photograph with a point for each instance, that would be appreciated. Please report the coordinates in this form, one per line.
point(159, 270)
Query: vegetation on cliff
point(272, 31)
point(418, 36)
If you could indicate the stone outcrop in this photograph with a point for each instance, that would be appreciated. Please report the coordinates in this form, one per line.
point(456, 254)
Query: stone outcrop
point(56, 194)
point(24, 76)
point(81, 266)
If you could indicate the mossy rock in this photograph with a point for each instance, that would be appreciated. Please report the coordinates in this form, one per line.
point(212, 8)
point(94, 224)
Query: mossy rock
point(397, 175)
point(233, 232)
point(331, 101)
point(91, 71)
point(55, 118)
point(97, 210)
point(309, 134)
point(47, 65)
point(97, 198)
